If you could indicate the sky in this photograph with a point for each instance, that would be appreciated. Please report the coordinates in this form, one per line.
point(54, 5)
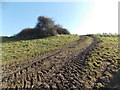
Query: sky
point(85, 17)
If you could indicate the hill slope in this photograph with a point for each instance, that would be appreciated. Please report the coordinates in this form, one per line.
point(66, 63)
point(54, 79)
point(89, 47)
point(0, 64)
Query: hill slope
point(87, 62)
point(13, 50)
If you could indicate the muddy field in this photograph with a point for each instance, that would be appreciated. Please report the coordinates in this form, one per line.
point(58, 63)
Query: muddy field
point(64, 68)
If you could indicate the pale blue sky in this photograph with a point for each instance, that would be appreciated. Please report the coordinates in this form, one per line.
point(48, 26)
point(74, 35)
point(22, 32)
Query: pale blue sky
point(19, 15)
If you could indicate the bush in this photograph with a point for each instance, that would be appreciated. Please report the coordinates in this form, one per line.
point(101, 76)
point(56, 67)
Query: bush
point(29, 33)
point(44, 28)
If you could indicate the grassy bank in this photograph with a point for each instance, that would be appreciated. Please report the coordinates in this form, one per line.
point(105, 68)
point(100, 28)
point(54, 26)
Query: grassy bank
point(22, 49)
point(103, 61)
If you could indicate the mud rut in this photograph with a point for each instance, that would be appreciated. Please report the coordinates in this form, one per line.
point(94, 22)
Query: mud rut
point(62, 68)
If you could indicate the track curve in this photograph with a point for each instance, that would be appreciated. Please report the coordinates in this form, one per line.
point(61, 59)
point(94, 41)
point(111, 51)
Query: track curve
point(62, 68)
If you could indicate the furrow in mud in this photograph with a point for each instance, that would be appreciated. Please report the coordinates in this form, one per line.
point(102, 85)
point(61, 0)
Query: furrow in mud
point(13, 68)
point(64, 69)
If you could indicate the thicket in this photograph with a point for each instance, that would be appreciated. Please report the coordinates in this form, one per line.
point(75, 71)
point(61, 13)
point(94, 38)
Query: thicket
point(45, 27)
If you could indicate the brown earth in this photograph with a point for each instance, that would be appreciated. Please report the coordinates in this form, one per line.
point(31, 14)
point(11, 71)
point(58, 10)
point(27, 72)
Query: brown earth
point(64, 68)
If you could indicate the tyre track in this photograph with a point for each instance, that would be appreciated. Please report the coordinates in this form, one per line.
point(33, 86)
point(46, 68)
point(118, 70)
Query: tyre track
point(52, 72)
point(36, 60)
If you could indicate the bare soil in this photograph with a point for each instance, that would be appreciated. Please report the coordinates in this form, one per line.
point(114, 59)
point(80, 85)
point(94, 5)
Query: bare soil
point(63, 68)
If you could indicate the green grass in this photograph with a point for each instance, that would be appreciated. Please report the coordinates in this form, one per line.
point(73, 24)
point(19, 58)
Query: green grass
point(107, 49)
point(82, 44)
point(14, 50)
point(103, 60)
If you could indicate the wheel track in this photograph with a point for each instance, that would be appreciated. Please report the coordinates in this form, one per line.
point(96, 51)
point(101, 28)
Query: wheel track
point(32, 65)
point(42, 75)
point(67, 78)
point(39, 59)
